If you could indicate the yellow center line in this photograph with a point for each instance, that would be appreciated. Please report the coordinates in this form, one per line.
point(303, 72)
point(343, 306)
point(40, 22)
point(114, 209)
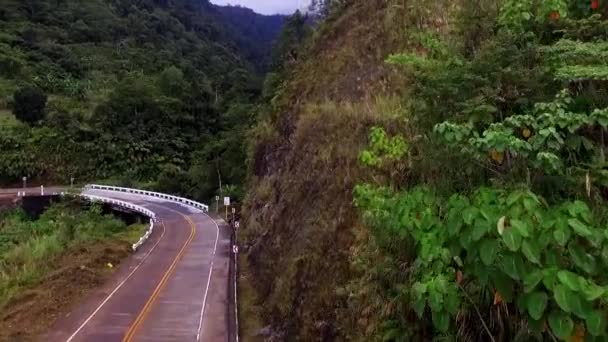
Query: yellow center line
point(146, 309)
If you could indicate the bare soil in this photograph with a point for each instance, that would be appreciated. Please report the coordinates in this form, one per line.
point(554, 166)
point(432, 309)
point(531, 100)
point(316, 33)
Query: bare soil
point(79, 271)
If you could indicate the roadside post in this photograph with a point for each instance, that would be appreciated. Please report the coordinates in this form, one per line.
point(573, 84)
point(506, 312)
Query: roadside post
point(71, 182)
point(24, 179)
point(217, 204)
point(42, 190)
point(233, 212)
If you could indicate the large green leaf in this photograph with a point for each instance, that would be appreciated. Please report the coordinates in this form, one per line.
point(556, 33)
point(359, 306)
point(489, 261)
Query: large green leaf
point(435, 299)
point(419, 306)
point(596, 323)
point(466, 237)
point(562, 294)
point(561, 324)
point(454, 223)
point(531, 280)
point(480, 229)
point(562, 235)
point(512, 239)
point(581, 259)
point(488, 250)
point(536, 303)
point(531, 251)
point(578, 305)
point(513, 265)
point(570, 279)
point(592, 291)
point(550, 278)
point(579, 228)
point(441, 320)
point(521, 227)
point(469, 214)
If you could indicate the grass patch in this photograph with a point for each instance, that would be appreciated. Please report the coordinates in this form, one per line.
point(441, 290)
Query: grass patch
point(7, 119)
point(29, 249)
point(133, 233)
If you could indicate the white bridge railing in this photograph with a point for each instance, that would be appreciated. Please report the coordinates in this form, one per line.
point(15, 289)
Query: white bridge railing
point(176, 199)
point(138, 208)
point(130, 206)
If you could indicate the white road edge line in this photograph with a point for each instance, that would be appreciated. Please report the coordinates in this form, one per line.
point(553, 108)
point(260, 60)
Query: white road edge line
point(118, 287)
point(236, 285)
point(217, 236)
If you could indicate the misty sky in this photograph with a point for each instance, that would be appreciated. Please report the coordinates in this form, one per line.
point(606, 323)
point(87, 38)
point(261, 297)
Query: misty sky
point(267, 6)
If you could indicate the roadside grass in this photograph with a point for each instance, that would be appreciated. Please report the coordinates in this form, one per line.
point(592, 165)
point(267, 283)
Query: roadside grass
point(132, 233)
point(29, 249)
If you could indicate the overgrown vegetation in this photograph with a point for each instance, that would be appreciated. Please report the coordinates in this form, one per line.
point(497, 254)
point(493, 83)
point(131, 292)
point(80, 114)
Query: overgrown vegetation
point(498, 232)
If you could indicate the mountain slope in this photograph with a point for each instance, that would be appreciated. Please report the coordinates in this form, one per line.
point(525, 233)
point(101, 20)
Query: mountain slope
point(254, 33)
point(137, 90)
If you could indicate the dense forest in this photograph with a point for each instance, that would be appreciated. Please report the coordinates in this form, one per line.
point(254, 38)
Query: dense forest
point(435, 171)
point(158, 93)
point(255, 34)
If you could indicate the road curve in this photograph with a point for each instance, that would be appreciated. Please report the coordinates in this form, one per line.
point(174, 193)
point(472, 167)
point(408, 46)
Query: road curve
point(173, 289)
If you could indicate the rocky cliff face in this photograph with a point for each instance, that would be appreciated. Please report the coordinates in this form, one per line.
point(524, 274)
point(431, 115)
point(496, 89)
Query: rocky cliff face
point(301, 227)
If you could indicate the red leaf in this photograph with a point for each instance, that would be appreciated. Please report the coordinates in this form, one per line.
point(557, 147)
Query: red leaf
point(554, 15)
point(459, 277)
point(595, 4)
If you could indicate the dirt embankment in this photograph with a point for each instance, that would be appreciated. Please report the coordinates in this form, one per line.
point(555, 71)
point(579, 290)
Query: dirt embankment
point(79, 271)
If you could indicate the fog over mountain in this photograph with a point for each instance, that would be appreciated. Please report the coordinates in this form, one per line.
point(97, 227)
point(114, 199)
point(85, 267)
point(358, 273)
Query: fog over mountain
point(267, 6)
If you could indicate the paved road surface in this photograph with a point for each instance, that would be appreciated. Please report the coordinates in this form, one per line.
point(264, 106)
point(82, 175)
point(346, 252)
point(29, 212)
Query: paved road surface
point(173, 289)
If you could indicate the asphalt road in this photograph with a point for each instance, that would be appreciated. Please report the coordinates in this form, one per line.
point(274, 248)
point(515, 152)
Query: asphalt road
point(174, 288)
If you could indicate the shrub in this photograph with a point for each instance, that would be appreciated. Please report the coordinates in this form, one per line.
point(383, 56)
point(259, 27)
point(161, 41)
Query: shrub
point(29, 105)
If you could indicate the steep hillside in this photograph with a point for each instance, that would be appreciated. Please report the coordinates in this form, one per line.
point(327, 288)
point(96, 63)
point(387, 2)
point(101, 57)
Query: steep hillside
point(300, 223)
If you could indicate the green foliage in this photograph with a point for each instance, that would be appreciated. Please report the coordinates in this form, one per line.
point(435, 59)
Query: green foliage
point(506, 75)
point(488, 235)
point(136, 90)
point(548, 261)
point(29, 105)
point(550, 139)
point(383, 148)
point(517, 15)
point(171, 81)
